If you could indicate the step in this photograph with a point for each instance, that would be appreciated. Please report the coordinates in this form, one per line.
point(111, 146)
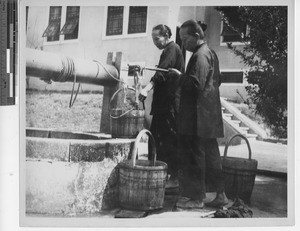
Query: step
point(227, 114)
point(251, 136)
point(237, 115)
point(237, 122)
point(244, 128)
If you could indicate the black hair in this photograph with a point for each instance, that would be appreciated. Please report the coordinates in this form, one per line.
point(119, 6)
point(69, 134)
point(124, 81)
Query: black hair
point(194, 27)
point(203, 25)
point(163, 30)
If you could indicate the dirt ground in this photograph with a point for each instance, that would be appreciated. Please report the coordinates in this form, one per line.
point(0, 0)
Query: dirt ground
point(51, 110)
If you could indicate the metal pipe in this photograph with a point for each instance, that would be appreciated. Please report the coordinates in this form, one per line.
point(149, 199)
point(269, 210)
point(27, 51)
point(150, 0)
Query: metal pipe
point(156, 69)
point(132, 68)
point(61, 68)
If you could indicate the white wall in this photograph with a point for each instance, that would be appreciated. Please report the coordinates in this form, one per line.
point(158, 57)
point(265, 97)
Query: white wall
point(91, 43)
point(36, 26)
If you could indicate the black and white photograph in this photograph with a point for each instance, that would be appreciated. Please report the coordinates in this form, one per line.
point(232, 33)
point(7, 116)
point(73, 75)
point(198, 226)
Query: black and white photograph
point(156, 114)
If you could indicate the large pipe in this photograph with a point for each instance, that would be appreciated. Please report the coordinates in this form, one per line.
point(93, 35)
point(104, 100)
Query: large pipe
point(61, 68)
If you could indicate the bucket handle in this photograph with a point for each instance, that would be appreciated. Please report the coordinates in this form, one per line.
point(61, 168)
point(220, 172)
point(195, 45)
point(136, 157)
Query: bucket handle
point(153, 147)
point(111, 99)
point(243, 137)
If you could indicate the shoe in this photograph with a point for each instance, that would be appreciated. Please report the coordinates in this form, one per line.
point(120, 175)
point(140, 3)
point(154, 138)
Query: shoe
point(183, 199)
point(190, 204)
point(216, 203)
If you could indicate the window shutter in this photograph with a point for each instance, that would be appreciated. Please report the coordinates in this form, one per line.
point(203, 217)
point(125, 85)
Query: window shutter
point(70, 29)
point(53, 28)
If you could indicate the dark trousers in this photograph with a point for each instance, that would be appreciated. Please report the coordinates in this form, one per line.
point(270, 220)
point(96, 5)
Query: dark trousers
point(199, 161)
point(163, 129)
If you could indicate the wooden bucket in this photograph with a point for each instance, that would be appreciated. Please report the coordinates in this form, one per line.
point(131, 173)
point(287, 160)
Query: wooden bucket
point(142, 182)
point(126, 123)
point(239, 173)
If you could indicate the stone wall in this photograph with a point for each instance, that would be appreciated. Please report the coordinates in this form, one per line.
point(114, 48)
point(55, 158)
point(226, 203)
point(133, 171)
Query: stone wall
point(70, 177)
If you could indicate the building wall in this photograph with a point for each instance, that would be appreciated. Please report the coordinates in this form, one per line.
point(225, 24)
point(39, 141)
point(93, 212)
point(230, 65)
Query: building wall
point(36, 26)
point(92, 44)
point(228, 60)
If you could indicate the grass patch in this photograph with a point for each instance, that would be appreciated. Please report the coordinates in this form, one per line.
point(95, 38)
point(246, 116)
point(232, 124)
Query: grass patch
point(51, 110)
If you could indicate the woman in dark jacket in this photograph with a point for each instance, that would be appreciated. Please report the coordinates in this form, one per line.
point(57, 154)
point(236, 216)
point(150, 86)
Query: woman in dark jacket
point(199, 121)
point(164, 104)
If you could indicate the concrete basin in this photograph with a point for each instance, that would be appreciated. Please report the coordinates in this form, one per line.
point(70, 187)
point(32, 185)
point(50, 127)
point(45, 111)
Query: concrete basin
point(71, 173)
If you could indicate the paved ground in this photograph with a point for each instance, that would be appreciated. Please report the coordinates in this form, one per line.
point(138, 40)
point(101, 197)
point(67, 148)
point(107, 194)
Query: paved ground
point(269, 200)
point(270, 156)
point(269, 196)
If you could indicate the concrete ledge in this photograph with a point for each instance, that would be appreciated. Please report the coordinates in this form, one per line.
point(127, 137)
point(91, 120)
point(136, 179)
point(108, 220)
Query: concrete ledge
point(271, 173)
point(77, 150)
point(97, 151)
point(57, 134)
point(37, 132)
point(275, 141)
point(72, 135)
point(87, 152)
point(53, 149)
point(118, 147)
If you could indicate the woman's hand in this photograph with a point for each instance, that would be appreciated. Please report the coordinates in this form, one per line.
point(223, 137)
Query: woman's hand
point(174, 71)
point(143, 94)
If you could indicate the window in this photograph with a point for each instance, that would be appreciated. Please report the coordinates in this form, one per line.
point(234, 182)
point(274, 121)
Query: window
point(230, 35)
point(137, 19)
point(62, 15)
point(127, 21)
point(114, 20)
point(52, 31)
point(70, 29)
point(232, 76)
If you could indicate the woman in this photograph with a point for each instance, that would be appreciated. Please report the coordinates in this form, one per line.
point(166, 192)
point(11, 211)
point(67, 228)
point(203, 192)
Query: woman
point(164, 104)
point(199, 122)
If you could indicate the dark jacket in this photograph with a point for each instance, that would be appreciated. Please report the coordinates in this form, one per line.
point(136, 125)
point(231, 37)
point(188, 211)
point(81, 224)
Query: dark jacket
point(165, 84)
point(200, 107)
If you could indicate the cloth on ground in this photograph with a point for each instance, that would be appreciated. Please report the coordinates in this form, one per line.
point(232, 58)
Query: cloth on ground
point(238, 210)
